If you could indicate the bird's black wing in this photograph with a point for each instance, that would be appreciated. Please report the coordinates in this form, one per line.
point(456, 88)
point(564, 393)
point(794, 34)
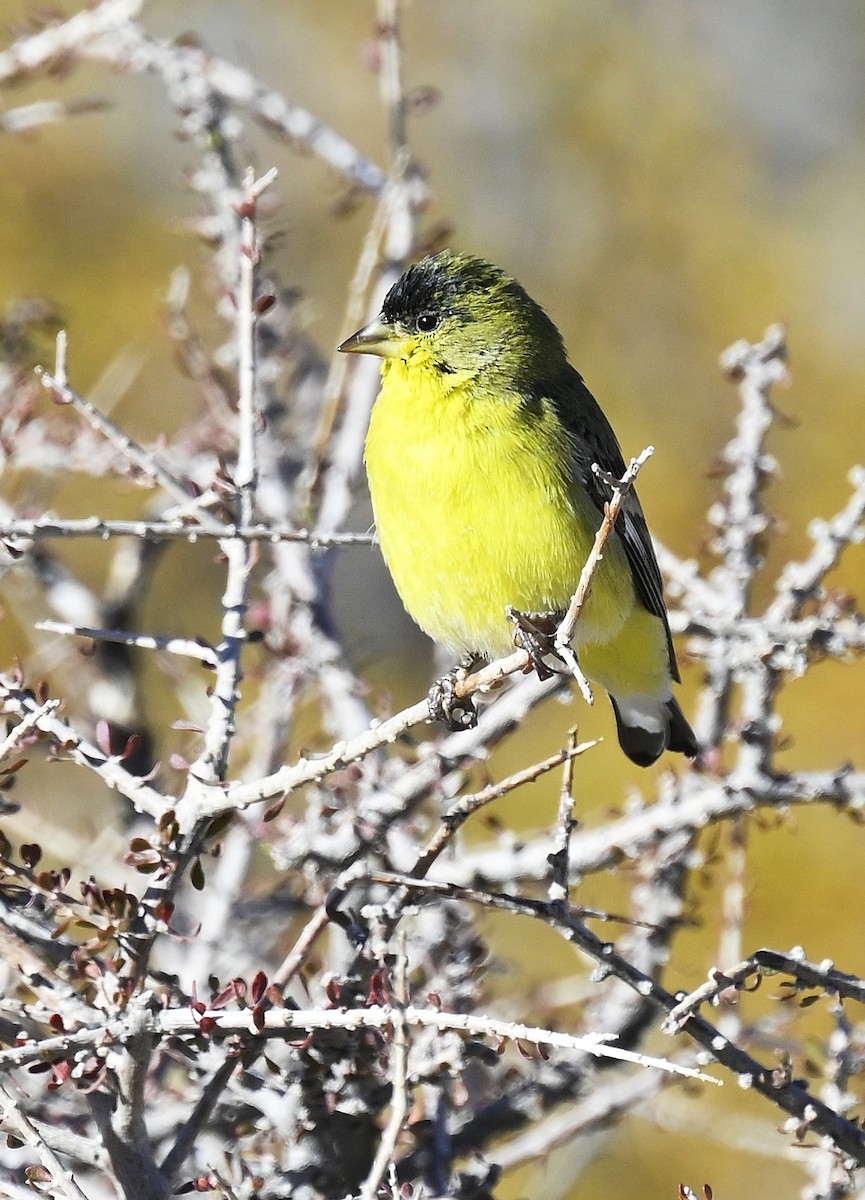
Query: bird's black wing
point(593, 441)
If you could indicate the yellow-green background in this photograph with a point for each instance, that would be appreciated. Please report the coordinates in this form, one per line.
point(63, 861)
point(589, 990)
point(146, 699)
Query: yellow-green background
point(664, 178)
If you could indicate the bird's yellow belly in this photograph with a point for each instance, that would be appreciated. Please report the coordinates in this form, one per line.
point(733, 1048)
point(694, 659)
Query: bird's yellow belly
point(474, 515)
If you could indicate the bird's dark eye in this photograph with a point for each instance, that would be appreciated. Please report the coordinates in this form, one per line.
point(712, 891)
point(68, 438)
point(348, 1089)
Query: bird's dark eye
point(427, 322)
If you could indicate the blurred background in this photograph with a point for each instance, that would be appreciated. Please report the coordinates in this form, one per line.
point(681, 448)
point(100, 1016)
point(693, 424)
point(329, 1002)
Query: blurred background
point(665, 179)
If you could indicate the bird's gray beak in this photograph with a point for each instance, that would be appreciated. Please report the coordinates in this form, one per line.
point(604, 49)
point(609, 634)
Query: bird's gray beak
point(378, 337)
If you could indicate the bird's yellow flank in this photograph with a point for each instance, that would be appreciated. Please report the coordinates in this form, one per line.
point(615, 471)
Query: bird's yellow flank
point(479, 459)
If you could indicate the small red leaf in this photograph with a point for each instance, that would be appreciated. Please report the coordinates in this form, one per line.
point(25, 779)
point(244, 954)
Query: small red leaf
point(31, 852)
point(132, 744)
point(259, 985)
point(103, 737)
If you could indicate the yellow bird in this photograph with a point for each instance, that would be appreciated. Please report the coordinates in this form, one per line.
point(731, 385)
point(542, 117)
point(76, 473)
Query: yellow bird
point(479, 457)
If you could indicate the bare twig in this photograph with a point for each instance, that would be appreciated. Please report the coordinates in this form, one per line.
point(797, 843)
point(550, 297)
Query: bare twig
point(315, 926)
point(15, 1122)
point(568, 624)
point(25, 726)
point(47, 112)
point(285, 1022)
point(120, 1118)
point(684, 804)
point(800, 581)
point(399, 1081)
point(597, 1111)
point(143, 460)
point(380, 733)
point(565, 824)
point(178, 529)
point(185, 647)
point(191, 1128)
point(462, 809)
point(94, 34)
point(20, 701)
point(212, 763)
point(794, 963)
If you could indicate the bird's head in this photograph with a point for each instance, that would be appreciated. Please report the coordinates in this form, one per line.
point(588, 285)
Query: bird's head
point(463, 318)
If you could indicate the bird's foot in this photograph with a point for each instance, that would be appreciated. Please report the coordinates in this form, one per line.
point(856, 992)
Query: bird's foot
point(455, 712)
point(535, 632)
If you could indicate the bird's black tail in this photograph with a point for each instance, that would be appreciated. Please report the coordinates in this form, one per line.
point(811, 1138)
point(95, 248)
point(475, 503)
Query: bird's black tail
point(646, 731)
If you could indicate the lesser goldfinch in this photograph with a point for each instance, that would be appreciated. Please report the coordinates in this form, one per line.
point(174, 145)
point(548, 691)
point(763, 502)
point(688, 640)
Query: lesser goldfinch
point(479, 457)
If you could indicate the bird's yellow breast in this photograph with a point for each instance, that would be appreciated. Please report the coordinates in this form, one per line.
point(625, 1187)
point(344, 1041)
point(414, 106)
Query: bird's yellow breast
point(475, 510)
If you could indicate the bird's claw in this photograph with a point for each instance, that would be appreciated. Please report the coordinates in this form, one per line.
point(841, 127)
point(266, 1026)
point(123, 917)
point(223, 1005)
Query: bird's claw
point(455, 712)
point(535, 632)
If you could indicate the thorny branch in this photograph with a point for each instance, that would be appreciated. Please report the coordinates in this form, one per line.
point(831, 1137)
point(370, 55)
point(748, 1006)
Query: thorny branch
point(281, 1022)
point(330, 1033)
